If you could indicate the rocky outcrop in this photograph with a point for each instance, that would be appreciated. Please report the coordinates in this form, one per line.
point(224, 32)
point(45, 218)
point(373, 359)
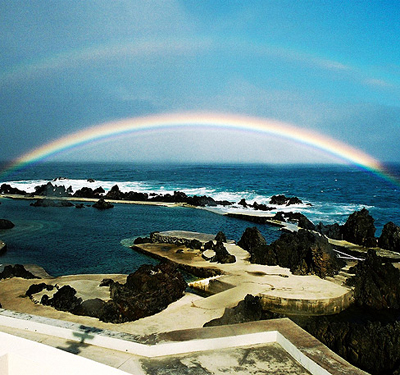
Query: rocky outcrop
point(360, 229)
point(283, 200)
point(64, 300)
point(17, 270)
point(373, 347)
point(37, 288)
point(303, 252)
point(51, 203)
point(221, 254)
point(295, 217)
point(147, 291)
point(390, 237)
point(87, 192)
point(376, 284)
point(7, 189)
point(333, 231)
point(6, 224)
point(101, 204)
point(50, 190)
point(248, 310)
point(3, 247)
point(220, 237)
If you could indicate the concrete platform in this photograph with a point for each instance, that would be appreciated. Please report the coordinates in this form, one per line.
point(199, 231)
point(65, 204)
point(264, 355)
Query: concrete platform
point(269, 347)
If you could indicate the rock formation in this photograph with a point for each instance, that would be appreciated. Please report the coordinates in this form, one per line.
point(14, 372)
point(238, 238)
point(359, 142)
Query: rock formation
point(376, 284)
point(283, 200)
point(18, 270)
point(7, 189)
point(221, 254)
point(303, 252)
point(360, 229)
point(295, 217)
point(147, 291)
point(6, 224)
point(101, 204)
point(64, 300)
point(390, 237)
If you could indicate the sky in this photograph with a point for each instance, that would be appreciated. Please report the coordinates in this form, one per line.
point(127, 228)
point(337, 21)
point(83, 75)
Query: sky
point(332, 67)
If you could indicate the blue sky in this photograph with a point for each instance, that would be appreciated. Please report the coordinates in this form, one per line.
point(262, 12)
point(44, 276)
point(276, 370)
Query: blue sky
point(328, 66)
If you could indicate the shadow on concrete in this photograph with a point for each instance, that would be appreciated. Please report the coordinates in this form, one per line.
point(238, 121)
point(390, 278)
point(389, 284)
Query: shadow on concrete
point(86, 334)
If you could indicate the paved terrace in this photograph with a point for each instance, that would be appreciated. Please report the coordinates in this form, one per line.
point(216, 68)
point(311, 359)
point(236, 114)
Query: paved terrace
point(271, 347)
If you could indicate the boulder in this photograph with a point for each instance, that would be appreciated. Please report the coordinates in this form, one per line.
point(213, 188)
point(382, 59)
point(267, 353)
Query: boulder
point(18, 270)
point(6, 224)
point(221, 254)
point(376, 284)
point(390, 237)
point(283, 200)
point(147, 291)
point(243, 203)
point(220, 237)
point(101, 204)
point(251, 239)
point(37, 288)
point(248, 310)
point(86, 192)
point(91, 307)
point(195, 244)
point(64, 300)
point(360, 229)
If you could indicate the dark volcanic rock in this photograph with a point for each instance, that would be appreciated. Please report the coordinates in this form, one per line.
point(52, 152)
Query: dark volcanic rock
point(221, 254)
point(295, 217)
point(147, 291)
point(101, 204)
point(86, 192)
point(303, 252)
point(360, 229)
point(115, 193)
point(91, 307)
point(140, 240)
point(37, 288)
point(64, 300)
point(195, 244)
point(50, 190)
point(51, 203)
point(6, 224)
point(372, 346)
point(18, 270)
point(333, 231)
point(390, 237)
point(251, 239)
point(248, 310)
point(220, 237)
point(8, 189)
point(283, 200)
point(376, 284)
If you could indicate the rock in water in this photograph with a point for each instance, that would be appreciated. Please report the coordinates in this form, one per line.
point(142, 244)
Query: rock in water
point(6, 224)
point(147, 291)
point(360, 229)
point(376, 284)
point(101, 204)
point(390, 237)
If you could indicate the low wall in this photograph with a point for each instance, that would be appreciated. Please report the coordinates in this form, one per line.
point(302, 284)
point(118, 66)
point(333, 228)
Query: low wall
point(307, 306)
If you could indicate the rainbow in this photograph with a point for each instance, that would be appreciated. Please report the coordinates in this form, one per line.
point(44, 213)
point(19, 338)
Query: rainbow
point(328, 145)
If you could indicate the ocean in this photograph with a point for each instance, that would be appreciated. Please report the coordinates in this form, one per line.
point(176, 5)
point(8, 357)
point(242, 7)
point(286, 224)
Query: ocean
point(81, 241)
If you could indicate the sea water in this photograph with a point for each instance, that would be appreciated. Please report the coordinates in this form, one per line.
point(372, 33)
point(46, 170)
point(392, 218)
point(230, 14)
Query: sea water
point(74, 241)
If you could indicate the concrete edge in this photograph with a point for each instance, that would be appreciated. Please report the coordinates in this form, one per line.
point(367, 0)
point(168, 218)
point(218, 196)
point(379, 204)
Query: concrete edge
point(304, 348)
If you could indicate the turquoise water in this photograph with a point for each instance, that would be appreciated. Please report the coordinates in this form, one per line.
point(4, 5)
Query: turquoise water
point(72, 241)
